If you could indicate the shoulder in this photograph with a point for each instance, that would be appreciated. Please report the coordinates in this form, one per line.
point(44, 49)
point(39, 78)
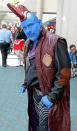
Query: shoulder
point(51, 36)
point(62, 43)
point(56, 40)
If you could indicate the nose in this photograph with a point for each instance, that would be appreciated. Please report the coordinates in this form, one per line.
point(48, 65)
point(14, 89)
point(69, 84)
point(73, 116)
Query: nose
point(29, 31)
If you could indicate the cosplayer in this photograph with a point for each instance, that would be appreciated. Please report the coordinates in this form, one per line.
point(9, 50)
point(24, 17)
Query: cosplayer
point(46, 76)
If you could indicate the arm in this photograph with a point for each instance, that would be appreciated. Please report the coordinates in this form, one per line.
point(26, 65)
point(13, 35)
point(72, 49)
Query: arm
point(64, 62)
point(12, 40)
point(63, 65)
point(23, 87)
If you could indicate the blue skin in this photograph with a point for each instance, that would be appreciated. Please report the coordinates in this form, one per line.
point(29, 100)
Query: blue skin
point(21, 90)
point(32, 28)
point(46, 101)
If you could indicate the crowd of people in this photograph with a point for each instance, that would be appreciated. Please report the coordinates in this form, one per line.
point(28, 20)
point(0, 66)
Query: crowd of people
point(12, 38)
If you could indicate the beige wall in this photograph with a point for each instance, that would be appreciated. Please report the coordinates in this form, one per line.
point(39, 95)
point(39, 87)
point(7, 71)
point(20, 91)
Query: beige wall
point(49, 5)
point(67, 21)
point(35, 6)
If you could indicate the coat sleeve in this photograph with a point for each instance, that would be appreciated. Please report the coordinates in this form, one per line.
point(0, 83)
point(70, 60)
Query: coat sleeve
point(25, 56)
point(63, 65)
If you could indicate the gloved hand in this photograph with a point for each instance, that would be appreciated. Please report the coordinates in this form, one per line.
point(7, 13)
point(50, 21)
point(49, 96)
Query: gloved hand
point(21, 90)
point(46, 102)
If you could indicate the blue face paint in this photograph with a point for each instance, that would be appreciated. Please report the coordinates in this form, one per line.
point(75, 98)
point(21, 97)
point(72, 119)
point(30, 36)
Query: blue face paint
point(32, 27)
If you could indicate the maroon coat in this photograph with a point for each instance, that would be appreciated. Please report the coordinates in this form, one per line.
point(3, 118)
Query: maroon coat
point(59, 113)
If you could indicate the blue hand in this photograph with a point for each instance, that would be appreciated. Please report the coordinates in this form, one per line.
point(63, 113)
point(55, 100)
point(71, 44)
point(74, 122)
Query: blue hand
point(46, 101)
point(21, 90)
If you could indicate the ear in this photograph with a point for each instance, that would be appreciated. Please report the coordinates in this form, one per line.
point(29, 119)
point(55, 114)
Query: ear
point(40, 23)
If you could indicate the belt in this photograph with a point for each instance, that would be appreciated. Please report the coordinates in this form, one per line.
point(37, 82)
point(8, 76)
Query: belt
point(38, 92)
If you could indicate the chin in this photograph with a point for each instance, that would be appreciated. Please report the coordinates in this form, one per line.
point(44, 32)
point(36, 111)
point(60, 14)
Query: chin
point(32, 39)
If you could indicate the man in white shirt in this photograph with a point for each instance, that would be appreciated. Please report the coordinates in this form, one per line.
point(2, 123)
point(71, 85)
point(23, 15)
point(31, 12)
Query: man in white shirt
point(5, 39)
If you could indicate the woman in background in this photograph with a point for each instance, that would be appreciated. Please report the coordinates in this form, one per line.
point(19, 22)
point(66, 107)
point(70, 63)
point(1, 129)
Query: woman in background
point(18, 45)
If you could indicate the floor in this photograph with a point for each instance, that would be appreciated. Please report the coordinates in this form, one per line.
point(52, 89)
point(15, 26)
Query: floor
point(13, 106)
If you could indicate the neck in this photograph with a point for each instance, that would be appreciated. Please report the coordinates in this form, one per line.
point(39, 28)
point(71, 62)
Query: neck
point(35, 42)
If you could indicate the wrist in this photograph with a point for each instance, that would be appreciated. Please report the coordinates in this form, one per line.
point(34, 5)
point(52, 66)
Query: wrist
point(21, 89)
point(46, 101)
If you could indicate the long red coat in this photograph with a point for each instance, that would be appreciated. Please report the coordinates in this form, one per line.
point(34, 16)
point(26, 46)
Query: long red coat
point(59, 113)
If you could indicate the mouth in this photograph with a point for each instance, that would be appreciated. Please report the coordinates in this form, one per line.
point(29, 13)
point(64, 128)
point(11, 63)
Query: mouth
point(30, 34)
point(32, 37)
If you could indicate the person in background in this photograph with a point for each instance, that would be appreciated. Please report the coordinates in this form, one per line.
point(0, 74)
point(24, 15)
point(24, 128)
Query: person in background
point(5, 40)
point(73, 58)
point(10, 27)
point(47, 76)
point(73, 55)
point(18, 44)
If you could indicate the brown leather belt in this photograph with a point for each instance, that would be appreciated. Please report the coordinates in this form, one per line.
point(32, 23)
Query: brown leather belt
point(38, 92)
